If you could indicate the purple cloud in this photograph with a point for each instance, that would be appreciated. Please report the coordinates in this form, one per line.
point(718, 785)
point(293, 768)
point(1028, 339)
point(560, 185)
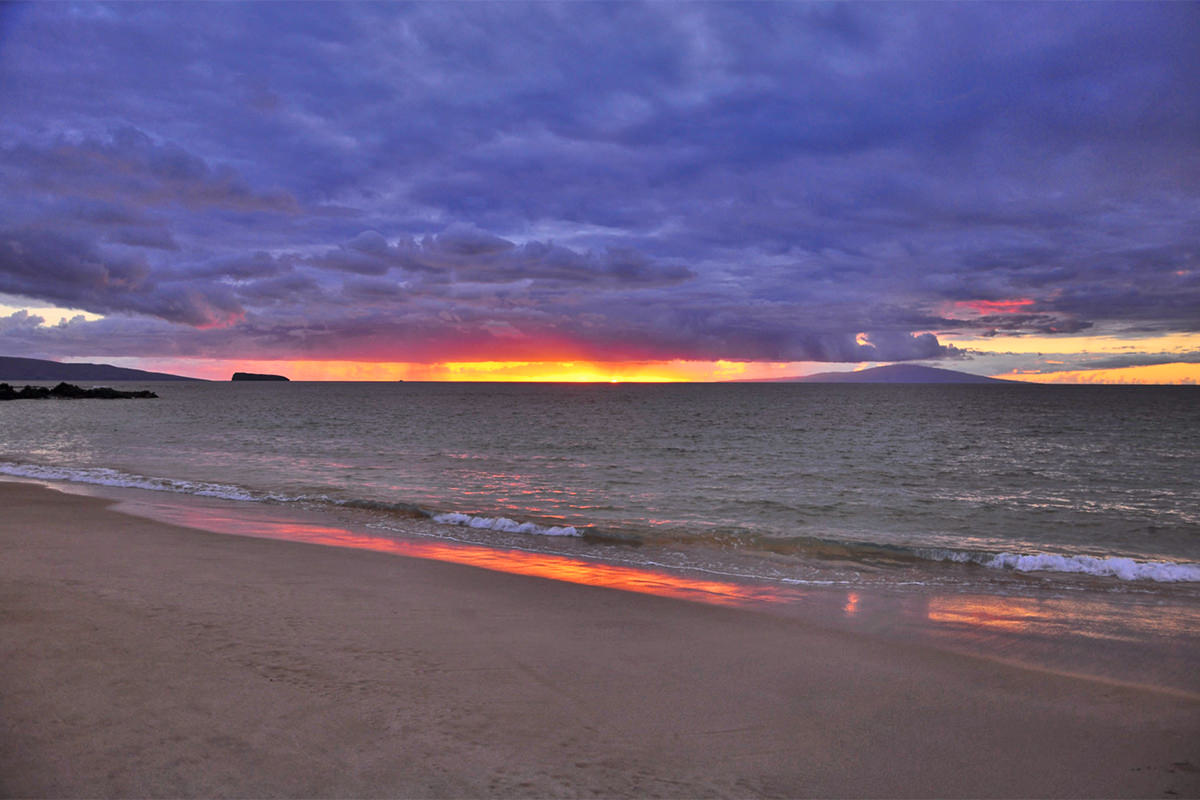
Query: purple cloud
point(431, 181)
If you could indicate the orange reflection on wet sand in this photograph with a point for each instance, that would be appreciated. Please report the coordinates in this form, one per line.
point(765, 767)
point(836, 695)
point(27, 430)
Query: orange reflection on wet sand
point(518, 562)
point(851, 606)
point(984, 612)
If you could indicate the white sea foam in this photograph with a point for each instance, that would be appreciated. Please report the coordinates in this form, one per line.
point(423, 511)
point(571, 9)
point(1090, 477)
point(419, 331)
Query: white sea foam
point(1125, 569)
point(504, 524)
point(103, 476)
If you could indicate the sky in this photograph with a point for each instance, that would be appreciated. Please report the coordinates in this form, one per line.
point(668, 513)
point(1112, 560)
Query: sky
point(603, 191)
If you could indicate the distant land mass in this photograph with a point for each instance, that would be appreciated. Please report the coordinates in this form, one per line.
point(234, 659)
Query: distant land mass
point(893, 373)
point(36, 369)
point(255, 376)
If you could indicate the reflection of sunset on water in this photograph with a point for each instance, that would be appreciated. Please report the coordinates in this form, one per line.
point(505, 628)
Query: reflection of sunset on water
point(1045, 631)
point(851, 606)
point(984, 612)
point(1147, 643)
point(518, 562)
point(1091, 618)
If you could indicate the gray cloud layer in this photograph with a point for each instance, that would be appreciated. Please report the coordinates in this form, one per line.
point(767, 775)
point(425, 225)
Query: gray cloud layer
point(489, 181)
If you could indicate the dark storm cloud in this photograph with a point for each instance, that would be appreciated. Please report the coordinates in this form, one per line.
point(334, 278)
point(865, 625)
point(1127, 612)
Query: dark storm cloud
point(127, 165)
point(748, 181)
point(469, 255)
point(73, 272)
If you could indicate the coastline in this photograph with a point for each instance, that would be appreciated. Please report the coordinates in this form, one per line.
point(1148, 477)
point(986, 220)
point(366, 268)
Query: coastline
point(149, 659)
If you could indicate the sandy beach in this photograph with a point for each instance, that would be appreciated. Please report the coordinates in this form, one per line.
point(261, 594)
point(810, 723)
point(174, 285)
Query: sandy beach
point(141, 659)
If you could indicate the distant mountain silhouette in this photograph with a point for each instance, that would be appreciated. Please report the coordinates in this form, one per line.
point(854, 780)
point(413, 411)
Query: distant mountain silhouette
point(894, 373)
point(36, 369)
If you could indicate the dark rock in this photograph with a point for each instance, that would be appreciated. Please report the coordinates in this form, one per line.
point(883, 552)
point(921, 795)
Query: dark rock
point(254, 376)
point(27, 393)
point(67, 391)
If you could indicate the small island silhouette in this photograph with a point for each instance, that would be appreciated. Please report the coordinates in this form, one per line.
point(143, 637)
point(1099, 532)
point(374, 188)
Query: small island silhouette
point(255, 376)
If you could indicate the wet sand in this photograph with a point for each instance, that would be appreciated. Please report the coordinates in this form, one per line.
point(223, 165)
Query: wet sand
point(143, 659)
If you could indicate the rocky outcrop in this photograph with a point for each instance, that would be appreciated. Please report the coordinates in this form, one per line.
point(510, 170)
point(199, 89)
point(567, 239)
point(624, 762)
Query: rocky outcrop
point(67, 391)
point(254, 376)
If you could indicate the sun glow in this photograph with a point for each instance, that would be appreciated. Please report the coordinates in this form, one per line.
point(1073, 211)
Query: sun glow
point(611, 372)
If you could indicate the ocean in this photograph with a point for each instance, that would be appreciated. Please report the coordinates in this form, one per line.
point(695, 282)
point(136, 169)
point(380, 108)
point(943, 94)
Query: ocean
point(1035, 523)
point(777, 480)
point(882, 483)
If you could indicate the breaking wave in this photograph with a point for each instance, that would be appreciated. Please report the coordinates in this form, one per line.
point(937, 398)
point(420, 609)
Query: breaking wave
point(504, 524)
point(103, 476)
point(1125, 569)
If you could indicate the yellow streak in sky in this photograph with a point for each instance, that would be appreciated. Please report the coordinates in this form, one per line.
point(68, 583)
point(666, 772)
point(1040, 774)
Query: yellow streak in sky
point(1176, 373)
point(597, 372)
point(550, 371)
point(51, 314)
point(1078, 345)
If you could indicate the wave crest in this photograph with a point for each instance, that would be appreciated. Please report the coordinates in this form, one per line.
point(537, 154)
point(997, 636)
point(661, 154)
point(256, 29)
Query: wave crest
point(504, 524)
point(1120, 568)
point(1125, 569)
point(103, 476)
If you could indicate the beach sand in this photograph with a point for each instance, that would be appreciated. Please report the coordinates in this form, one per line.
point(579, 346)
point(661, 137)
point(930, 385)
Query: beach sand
point(143, 659)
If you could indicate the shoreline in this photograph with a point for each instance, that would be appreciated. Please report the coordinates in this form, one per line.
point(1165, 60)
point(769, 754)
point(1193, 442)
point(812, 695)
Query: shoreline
point(1147, 640)
point(150, 659)
point(833, 557)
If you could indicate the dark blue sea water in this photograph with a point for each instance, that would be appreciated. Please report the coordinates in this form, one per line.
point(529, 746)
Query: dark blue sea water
point(880, 484)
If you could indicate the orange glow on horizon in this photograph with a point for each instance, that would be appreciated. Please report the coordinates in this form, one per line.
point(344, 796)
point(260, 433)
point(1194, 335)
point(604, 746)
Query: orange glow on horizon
point(579, 371)
point(1044, 351)
point(609, 372)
